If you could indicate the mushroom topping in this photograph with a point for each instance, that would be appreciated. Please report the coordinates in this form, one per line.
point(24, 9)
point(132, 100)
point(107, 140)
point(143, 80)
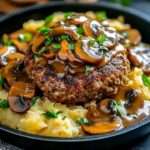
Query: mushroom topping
point(140, 57)
point(14, 72)
point(76, 19)
point(65, 30)
point(90, 54)
point(87, 29)
point(103, 126)
point(134, 101)
point(134, 36)
point(19, 96)
point(36, 42)
point(104, 106)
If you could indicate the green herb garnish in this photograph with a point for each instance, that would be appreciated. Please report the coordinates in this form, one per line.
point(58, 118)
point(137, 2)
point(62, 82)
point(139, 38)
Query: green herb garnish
point(48, 19)
point(6, 41)
point(44, 30)
point(88, 69)
point(101, 39)
point(56, 46)
point(25, 37)
point(83, 121)
point(146, 80)
point(34, 100)
point(4, 103)
point(118, 108)
point(72, 46)
point(80, 30)
point(48, 41)
point(52, 114)
point(64, 37)
point(67, 14)
point(1, 81)
point(101, 15)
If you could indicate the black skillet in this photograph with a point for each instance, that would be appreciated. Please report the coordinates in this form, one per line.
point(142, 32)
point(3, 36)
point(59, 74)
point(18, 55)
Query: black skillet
point(108, 141)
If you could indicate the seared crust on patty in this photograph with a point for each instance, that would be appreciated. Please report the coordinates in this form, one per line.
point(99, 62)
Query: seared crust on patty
point(102, 82)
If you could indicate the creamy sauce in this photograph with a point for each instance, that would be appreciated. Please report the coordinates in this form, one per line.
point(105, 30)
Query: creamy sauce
point(9, 51)
point(142, 54)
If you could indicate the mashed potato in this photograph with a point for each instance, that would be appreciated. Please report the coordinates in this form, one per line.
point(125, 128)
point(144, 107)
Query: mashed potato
point(36, 123)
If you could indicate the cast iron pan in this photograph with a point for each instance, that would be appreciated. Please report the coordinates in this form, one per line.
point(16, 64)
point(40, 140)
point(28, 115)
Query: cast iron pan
point(107, 141)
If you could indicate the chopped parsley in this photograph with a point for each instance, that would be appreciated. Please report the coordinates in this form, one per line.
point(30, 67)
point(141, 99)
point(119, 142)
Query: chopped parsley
point(118, 108)
point(101, 15)
point(44, 30)
point(51, 114)
point(101, 39)
point(146, 80)
point(64, 37)
point(34, 100)
point(72, 46)
point(88, 69)
point(80, 30)
point(4, 103)
point(67, 14)
point(48, 19)
point(56, 46)
point(6, 41)
point(48, 41)
point(1, 81)
point(83, 121)
point(25, 37)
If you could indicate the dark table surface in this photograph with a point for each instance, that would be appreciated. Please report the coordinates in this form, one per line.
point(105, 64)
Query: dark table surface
point(141, 144)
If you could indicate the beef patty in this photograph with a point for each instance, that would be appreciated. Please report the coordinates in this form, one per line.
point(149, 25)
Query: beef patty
point(76, 68)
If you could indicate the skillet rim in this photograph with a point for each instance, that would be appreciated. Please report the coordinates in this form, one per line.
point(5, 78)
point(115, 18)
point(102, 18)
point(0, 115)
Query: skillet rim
point(87, 138)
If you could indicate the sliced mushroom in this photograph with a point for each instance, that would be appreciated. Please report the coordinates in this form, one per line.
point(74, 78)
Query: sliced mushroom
point(77, 19)
point(63, 53)
point(15, 57)
point(134, 101)
point(65, 30)
point(104, 106)
point(87, 29)
point(50, 54)
point(134, 36)
point(21, 46)
point(37, 41)
point(19, 95)
point(23, 89)
point(134, 58)
point(103, 127)
point(3, 50)
point(14, 72)
point(18, 104)
point(66, 54)
point(88, 55)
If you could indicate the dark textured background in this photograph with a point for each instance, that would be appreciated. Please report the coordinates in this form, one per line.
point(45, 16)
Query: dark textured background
point(141, 144)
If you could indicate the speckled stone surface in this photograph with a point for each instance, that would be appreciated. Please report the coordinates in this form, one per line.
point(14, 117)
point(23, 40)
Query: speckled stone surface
point(142, 144)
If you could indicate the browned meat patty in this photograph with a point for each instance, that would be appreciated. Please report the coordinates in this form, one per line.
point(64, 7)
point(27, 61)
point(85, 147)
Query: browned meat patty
point(59, 68)
point(71, 89)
